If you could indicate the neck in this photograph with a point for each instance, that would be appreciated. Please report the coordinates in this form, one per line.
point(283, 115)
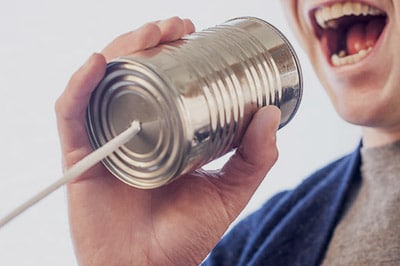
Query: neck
point(375, 137)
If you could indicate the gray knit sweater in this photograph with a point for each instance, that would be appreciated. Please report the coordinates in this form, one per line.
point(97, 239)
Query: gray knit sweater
point(369, 230)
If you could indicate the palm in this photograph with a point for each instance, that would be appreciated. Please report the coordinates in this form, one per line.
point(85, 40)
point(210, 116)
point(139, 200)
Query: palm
point(159, 217)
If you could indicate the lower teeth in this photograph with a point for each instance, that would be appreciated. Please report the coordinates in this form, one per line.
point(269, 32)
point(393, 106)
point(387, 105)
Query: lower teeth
point(343, 59)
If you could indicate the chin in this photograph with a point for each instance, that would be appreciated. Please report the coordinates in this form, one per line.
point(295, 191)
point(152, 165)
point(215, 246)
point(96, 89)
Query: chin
point(369, 111)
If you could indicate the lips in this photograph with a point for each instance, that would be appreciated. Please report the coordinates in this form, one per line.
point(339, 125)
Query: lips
point(348, 31)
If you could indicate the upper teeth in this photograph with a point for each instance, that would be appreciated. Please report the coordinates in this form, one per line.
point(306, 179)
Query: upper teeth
point(325, 15)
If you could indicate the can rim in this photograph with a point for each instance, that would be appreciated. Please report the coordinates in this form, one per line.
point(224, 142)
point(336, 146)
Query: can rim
point(166, 174)
point(295, 57)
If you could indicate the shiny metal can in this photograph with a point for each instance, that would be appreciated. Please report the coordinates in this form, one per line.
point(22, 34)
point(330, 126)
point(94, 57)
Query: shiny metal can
point(193, 97)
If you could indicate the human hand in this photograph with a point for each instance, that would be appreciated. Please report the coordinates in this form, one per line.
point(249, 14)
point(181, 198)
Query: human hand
point(178, 224)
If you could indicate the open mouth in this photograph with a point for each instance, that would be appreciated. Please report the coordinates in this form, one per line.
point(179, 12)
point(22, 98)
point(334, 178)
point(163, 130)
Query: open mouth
point(348, 31)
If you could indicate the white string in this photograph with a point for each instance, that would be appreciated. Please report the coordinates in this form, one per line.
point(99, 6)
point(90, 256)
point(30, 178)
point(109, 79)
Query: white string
point(76, 170)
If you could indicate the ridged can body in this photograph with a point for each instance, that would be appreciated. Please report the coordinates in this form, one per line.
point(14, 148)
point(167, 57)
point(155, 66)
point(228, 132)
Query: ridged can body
point(194, 98)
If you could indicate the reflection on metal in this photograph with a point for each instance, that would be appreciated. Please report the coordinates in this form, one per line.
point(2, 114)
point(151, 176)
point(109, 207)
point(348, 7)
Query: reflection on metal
point(194, 98)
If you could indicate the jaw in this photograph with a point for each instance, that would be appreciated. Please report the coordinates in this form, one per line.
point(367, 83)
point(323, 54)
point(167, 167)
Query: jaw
point(349, 50)
point(364, 90)
point(350, 38)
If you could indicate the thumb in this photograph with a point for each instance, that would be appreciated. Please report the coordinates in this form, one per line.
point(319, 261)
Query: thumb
point(255, 156)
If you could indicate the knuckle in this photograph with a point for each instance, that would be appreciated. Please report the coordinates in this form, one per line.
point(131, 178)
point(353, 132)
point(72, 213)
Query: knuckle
point(189, 26)
point(175, 20)
point(274, 155)
point(58, 105)
point(142, 38)
point(149, 36)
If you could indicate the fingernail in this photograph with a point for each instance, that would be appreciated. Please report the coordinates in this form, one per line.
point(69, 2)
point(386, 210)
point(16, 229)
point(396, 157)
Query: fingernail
point(272, 114)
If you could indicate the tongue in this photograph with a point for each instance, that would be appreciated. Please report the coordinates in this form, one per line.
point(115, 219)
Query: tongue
point(362, 36)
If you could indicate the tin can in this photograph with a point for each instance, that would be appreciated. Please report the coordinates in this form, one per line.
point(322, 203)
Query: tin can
point(193, 97)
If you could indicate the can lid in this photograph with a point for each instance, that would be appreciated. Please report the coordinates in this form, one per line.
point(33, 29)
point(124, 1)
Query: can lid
point(131, 91)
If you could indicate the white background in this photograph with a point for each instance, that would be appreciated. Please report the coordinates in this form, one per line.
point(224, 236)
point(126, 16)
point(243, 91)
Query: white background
point(43, 42)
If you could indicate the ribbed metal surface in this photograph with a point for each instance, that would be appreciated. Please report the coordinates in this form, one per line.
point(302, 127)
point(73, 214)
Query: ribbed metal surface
point(194, 98)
